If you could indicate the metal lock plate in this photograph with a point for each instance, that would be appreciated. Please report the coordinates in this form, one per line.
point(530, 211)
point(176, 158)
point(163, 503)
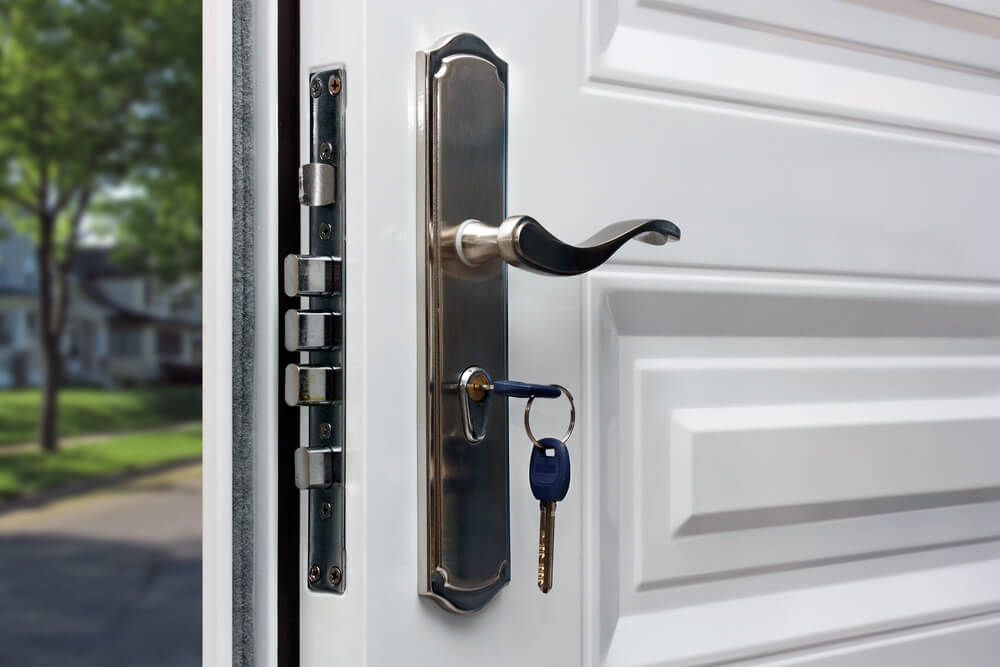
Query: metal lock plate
point(466, 243)
point(462, 160)
point(326, 419)
point(314, 328)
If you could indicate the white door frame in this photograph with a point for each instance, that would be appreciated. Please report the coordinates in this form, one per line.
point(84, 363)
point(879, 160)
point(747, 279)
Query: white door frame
point(217, 370)
point(244, 32)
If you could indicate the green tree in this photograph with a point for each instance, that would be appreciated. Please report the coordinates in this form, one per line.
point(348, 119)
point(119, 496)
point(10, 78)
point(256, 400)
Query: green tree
point(100, 111)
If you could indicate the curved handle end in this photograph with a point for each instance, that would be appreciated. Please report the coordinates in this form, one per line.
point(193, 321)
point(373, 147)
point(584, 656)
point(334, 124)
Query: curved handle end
point(668, 234)
point(531, 246)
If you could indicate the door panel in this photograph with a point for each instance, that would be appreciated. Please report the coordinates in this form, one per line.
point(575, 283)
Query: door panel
point(788, 420)
point(787, 459)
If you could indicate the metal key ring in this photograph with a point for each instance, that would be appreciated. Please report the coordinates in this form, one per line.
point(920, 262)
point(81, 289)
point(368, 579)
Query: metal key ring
point(572, 418)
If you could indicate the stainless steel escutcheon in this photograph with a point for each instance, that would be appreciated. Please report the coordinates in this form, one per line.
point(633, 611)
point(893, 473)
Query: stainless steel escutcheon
point(466, 240)
point(523, 242)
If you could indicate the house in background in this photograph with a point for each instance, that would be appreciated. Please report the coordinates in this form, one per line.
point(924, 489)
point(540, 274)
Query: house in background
point(122, 328)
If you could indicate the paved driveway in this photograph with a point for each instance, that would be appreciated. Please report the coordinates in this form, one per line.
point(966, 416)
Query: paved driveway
point(112, 577)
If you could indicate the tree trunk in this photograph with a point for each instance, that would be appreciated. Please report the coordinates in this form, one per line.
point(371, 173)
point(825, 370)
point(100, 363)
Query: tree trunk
point(52, 361)
point(49, 330)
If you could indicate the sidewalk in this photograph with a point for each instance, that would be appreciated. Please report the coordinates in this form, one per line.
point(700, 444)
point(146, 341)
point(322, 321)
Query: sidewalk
point(112, 577)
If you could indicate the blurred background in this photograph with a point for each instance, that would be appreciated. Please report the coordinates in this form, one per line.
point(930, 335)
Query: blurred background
point(100, 332)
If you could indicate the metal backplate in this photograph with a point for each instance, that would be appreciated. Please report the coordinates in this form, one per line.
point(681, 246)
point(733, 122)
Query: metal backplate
point(327, 554)
point(462, 161)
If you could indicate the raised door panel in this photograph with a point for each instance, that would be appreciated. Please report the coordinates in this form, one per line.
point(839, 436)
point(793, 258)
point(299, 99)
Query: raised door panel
point(902, 62)
point(785, 460)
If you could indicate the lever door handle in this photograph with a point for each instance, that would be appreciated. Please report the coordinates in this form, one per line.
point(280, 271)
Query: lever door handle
point(521, 241)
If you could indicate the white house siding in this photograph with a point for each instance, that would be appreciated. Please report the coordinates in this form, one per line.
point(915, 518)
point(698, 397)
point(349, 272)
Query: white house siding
point(105, 296)
point(17, 348)
point(18, 265)
point(129, 292)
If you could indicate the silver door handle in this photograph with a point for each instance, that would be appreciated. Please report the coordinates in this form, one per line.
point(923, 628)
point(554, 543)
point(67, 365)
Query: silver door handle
point(522, 241)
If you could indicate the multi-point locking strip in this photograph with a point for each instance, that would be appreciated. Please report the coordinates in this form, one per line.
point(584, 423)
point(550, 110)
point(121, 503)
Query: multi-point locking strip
point(316, 331)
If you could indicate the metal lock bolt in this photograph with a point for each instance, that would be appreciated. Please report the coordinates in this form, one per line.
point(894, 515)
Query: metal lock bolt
point(318, 467)
point(312, 276)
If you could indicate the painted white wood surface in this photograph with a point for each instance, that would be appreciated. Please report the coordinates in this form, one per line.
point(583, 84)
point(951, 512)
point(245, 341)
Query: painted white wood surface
point(789, 421)
point(217, 370)
point(217, 270)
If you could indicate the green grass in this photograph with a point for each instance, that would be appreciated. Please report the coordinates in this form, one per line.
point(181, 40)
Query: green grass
point(84, 411)
point(28, 472)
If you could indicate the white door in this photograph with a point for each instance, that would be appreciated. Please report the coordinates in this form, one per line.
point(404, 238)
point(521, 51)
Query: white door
point(788, 449)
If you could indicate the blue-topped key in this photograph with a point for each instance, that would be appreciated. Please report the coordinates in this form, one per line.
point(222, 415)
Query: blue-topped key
point(548, 475)
point(548, 470)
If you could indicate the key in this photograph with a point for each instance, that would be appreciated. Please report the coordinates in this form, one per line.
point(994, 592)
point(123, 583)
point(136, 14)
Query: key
point(525, 389)
point(548, 474)
point(479, 385)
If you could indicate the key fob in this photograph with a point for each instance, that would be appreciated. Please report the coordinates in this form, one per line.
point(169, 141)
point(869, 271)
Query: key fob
point(548, 470)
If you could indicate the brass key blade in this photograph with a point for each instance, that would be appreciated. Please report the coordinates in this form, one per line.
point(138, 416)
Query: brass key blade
point(546, 528)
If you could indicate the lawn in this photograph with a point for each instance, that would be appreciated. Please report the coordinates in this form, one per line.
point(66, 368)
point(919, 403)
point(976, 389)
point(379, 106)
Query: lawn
point(97, 410)
point(28, 472)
